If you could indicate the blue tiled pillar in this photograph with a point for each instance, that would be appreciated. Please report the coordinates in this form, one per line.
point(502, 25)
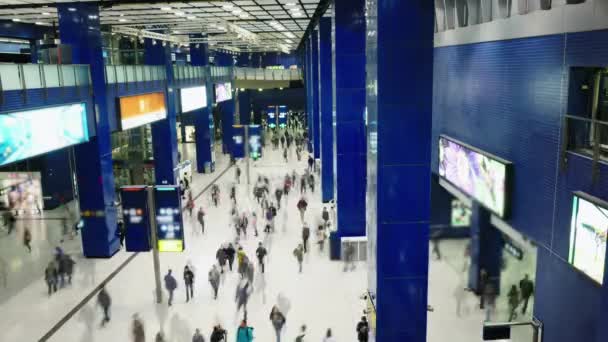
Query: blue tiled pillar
point(316, 137)
point(325, 110)
point(227, 110)
point(308, 81)
point(203, 122)
point(245, 107)
point(81, 30)
point(349, 99)
point(400, 42)
point(486, 248)
point(164, 132)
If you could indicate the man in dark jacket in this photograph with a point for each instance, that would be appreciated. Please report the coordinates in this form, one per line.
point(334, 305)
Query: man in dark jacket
point(104, 300)
point(221, 258)
point(526, 288)
point(230, 252)
point(170, 285)
point(305, 237)
point(363, 330)
point(218, 334)
point(311, 163)
point(189, 282)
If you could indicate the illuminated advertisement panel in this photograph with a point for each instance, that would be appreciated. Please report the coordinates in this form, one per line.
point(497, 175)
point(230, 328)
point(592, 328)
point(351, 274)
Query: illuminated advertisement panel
point(170, 231)
point(24, 134)
point(272, 116)
point(21, 192)
point(480, 175)
point(588, 230)
point(223, 92)
point(135, 218)
point(138, 110)
point(193, 98)
point(282, 116)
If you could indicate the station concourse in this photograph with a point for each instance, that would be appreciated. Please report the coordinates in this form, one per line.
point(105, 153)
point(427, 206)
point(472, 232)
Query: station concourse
point(303, 170)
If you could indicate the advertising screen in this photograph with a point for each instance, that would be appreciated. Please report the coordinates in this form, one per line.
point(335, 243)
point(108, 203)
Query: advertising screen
point(193, 98)
point(21, 192)
point(223, 92)
point(461, 214)
point(24, 134)
point(255, 142)
point(282, 116)
point(135, 218)
point(588, 230)
point(170, 232)
point(271, 111)
point(479, 175)
point(138, 110)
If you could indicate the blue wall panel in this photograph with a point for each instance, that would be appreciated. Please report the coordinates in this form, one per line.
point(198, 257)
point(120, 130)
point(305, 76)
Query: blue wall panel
point(316, 137)
point(326, 109)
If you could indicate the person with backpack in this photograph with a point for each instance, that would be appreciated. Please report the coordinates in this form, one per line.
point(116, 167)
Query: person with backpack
point(170, 286)
point(189, 282)
point(363, 330)
point(299, 254)
point(305, 237)
point(261, 253)
point(244, 333)
point(201, 219)
point(278, 321)
point(218, 334)
point(214, 280)
point(221, 257)
point(27, 239)
point(302, 205)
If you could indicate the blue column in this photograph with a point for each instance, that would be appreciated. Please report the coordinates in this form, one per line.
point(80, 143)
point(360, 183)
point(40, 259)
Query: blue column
point(486, 249)
point(400, 42)
point(316, 137)
point(164, 132)
point(81, 30)
point(308, 83)
point(325, 110)
point(245, 106)
point(349, 98)
point(203, 122)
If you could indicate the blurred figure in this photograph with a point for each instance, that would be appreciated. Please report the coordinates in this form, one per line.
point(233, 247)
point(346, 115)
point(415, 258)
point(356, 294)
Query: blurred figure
point(190, 204)
point(435, 242)
point(321, 237)
point(489, 294)
point(201, 219)
point(189, 282)
point(221, 257)
point(237, 175)
point(526, 288)
point(170, 286)
point(349, 257)
point(483, 282)
point(311, 163)
point(261, 253)
point(363, 330)
point(459, 295)
point(302, 204)
point(121, 232)
point(305, 237)
point(299, 254)
point(230, 253)
point(27, 239)
point(244, 333)
point(104, 301)
point(218, 334)
point(513, 297)
point(67, 266)
point(325, 217)
point(328, 336)
point(137, 329)
point(302, 334)
point(198, 337)
point(278, 321)
point(160, 337)
point(242, 296)
point(50, 276)
point(214, 280)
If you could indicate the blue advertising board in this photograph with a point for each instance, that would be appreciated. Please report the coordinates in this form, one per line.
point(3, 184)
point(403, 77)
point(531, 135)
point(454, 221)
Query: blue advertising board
point(136, 218)
point(238, 141)
point(169, 224)
point(282, 116)
point(255, 142)
point(271, 120)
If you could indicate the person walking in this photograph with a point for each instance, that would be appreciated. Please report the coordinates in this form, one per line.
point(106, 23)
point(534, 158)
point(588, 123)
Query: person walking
point(242, 296)
point(121, 232)
point(329, 336)
point(278, 321)
point(303, 184)
point(513, 297)
point(311, 182)
point(67, 265)
point(363, 330)
point(305, 237)
point(230, 252)
point(137, 329)
point(321, 238)
point(244, 333)
point(261, 253)
point(198, 337)
point(218, 334)
point(299, 254)
point(50, 276)
point(214, 280)
point(201, 219)
point(237, 175)
point(302, 205)
point(489, 294)
point(189, 282)
point(435, 239)
point(325, 217)
point(170, 286)
point(27, 239)
point(311, 163)
point(221, 257)
point(240, 257)
point(190, 204)
point(526, 288)
point(349, 257)
point(104, 301)
point(302, 334)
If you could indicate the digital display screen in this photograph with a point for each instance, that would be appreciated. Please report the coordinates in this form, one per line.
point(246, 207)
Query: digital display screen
point(483, 177)
point(138, 110)
point(282, 116)
point(255, 142)
point(193, 98)
point(24, 134)
point(135, 218)
point(223, 92)
point(461, 214)
point(169, 227)
point(21, 192)
point(588, 230)
point(272, 116)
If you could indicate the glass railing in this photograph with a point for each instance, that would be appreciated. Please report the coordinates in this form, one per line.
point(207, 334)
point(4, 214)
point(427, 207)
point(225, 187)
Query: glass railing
point(135, 73)
point(258, 74)
point(37, 76)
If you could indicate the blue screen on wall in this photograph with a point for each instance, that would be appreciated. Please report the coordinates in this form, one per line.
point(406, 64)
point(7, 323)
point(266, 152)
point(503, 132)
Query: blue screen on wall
point(25, 134)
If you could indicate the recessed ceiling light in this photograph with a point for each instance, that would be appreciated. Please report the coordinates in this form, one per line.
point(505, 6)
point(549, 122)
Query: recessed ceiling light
point(71, 9)
point(291, 4)
point(179, 14)
point(39, 23)
point(165, 8)
point(16, 19)
point(244, 15)
point(191, 17)
point(122, 20)
point(46, 13)
point(237, 11)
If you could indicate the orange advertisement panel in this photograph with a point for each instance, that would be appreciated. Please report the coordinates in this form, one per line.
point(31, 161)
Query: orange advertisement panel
point(139, 110)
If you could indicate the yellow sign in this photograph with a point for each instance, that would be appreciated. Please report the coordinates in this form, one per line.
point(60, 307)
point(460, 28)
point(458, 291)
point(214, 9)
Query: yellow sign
point(170, 246)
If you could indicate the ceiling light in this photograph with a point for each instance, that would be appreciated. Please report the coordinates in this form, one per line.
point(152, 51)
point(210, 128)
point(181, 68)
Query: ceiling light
point(260, 89)
point(228, 7)
point(242, 89)
point(153, 41)
point(221, 28)
point(179, 14)
point(164, 43)
point(165, 8)
point(39, 23)
point(122, 20)
point(176, 31)
point(280, 88)
point(92, 16)
point(16, 19)
point(237, 11)
point(191, 17)
point(291, 4)
point(244, 15)
point(46, 13)
point(71, 9)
